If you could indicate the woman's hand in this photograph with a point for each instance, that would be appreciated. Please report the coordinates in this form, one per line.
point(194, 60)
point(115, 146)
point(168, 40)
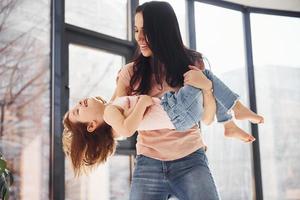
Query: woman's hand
point(196, 78)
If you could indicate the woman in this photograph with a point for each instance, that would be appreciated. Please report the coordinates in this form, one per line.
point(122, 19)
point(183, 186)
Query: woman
point(168, 161)
point(92, 126)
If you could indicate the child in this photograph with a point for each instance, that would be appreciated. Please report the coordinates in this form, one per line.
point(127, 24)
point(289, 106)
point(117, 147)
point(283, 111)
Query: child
point(92, 125)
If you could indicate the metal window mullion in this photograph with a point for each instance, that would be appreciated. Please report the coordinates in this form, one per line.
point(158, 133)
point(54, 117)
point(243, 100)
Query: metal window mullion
point(223, 4)
point(274, 12)
point(88, 38)
point(57, 101)
point(191, 24)
point(132, 6)
point(252, 101)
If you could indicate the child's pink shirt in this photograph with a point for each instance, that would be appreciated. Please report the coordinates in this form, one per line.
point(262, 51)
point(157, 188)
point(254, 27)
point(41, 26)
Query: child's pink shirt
point(155, 117)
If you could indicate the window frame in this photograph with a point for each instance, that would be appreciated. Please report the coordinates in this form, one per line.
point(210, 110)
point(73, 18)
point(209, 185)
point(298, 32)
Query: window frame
point(63, 34)
point(246, 11)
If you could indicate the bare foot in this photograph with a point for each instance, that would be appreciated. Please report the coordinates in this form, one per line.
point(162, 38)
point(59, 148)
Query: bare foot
point(232, 130)
point(241, 113)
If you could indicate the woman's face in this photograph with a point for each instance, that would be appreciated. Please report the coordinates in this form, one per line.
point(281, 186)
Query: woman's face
point(139, 35)
point(87, 110)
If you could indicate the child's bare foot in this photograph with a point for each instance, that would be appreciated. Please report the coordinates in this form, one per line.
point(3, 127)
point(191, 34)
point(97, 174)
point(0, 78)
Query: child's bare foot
point(232, 130)
point(241, 112)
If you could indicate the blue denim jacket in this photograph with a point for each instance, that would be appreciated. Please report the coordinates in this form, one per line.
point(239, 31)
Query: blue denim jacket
point(184, 107)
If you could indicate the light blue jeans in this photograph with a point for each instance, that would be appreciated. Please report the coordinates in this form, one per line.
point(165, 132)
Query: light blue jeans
point(185, 107)
point(188, 178)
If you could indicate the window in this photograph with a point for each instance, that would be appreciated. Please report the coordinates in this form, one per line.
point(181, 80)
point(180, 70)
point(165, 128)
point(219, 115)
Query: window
point(119, 176)
point(25, 95)
point(219, 36)
point(277, 70)
point(92, 72)
point(107, 17)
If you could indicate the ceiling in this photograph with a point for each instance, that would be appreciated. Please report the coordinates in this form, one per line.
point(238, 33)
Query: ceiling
point(287, 5)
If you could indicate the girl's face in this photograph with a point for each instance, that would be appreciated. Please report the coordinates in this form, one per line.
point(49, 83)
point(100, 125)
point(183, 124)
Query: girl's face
point(139, 35)
point(89, 111)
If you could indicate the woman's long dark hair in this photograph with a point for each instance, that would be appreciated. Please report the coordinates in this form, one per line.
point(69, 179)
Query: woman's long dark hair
point(170, 59)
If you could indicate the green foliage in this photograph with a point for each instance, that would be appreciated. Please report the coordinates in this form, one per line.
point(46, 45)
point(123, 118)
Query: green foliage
point(6, 179)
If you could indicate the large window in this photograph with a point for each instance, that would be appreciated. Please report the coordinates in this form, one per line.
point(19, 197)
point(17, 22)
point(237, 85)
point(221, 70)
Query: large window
point(92, 72)
point(219, 36)
point(24, 95)
point(277, 78)
point(108, 17)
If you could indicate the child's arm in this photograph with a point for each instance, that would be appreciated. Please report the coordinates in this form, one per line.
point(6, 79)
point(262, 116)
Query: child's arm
point(123, 125)
point(196, 78)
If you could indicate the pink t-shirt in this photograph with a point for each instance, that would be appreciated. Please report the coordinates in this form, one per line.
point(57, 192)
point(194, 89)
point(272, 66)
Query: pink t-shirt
point(155, 113)
point(164, 144)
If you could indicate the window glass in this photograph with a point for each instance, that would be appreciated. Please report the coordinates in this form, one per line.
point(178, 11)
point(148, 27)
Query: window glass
point(25, 95)
point(93, 72)
point(277, 79)
point(108, 17)
point(219, 36)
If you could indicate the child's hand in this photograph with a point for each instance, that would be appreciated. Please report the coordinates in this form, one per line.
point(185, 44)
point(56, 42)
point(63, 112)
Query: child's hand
point(196, 78)
point(128, 109)
point(145, 100)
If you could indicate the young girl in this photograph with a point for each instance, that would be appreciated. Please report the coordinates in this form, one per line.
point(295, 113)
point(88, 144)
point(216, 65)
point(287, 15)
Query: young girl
point(92, 125)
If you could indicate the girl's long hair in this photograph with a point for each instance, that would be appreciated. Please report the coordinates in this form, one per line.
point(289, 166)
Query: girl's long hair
point(86, 149)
